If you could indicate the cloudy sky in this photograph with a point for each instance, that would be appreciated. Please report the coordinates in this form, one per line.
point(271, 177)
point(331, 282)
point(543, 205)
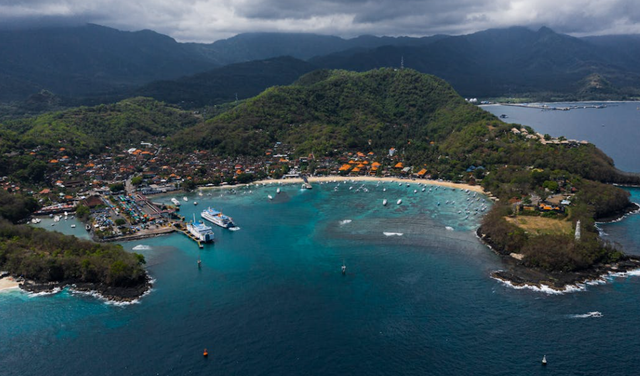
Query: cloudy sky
point(210, 20)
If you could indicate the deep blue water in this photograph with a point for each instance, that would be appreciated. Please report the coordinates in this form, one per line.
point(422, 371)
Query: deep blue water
point(614, 129)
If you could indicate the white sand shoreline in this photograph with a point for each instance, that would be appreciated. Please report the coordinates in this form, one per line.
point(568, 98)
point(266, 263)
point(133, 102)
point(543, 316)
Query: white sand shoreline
point(330, 179)
point(8, 284)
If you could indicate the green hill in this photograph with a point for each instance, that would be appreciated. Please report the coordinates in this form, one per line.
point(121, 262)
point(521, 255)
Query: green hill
point(85, 130)
point(329, 110)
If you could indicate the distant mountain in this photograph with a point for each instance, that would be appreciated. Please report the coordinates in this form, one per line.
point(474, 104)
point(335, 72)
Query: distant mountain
point(502, 62)
point(93, 64)
point(224, 84)
point(257, 46)
point(91, 59)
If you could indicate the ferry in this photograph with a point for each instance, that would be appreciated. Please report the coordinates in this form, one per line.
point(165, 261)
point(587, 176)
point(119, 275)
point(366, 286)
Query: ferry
point(217, 218)
point(200, 231)
point(175, 201)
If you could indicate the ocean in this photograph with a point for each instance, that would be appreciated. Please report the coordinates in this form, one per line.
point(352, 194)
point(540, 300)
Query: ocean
point(270, 299)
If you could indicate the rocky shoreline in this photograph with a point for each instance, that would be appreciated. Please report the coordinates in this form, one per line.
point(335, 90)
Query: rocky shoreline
point(518, 275)
point(109, 293)
point(616, 216)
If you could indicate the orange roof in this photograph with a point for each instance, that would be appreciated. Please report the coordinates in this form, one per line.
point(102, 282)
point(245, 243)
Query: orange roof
point(370, 153)
point(352, 162)
point(53, 161)
point(238, 172)
point(360, 166)
point(398, 165)
point(345, 167)
point(422, 172)
point(365, 162)
point(45, 191)
point(282, 160)
point(62, 149)
point(375, 164)
point(360, 154)
point(357, 169)
point(32, 153)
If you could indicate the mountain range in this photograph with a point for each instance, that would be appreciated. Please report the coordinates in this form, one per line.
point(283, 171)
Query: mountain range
point(93, 64)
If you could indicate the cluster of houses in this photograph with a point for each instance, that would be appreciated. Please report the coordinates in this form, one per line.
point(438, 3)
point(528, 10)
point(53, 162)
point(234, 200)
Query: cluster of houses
point(548, 140)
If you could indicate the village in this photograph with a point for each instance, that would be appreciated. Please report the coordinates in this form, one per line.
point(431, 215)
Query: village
point(113, 190)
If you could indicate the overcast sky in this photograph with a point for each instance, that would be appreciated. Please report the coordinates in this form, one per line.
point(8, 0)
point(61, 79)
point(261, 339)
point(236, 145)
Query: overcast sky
point(210, 20)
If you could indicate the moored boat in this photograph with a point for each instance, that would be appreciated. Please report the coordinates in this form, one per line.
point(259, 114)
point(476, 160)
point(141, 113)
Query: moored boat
point(217, 218)
point(200, 231)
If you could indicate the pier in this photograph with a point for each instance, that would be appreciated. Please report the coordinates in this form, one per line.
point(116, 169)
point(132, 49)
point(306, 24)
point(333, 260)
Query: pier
point(306, 183)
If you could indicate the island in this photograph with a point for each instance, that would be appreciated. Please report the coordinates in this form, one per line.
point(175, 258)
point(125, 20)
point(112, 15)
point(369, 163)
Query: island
point(548, 192)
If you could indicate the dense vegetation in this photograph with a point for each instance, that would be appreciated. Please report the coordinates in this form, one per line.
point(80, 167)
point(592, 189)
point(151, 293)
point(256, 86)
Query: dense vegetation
point(86, 130)
point(45, 256)
point(338, 110)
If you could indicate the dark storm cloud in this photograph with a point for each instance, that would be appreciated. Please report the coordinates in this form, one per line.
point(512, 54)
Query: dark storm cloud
point(207, 20)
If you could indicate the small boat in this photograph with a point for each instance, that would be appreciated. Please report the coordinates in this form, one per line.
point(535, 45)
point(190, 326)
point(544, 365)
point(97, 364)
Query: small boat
point(73, 226)
point(185, 198)
point(205, 353)
point(399, 201)
point(278, 190)
point(544, 360)
point(384, 189)
point(87, 227)
point(270, 197)
point(384, 202)
point(195, 203)
point(199, 265)
point(344, 269)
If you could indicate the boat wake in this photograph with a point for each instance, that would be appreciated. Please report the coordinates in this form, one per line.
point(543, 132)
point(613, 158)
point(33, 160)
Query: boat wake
point(594, 314)
point(344, 222)
point(393, 233)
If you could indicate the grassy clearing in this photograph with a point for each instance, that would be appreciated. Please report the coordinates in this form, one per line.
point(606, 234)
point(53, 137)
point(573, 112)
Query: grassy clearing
point(541, 225)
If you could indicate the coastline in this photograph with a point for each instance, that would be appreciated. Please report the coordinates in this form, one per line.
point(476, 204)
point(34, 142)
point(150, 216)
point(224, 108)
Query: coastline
point(338, 178)
point(110, 294)
point(518, 276)
point(8, 283)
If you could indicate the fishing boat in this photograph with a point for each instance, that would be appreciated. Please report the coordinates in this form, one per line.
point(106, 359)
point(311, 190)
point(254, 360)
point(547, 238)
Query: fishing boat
point(399, 201)
point(384, 202)
point(544, 360)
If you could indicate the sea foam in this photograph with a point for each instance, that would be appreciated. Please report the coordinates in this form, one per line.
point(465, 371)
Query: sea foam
point(594, 314)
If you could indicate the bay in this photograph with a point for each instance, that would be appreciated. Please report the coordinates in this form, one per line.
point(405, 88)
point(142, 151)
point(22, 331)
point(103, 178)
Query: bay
point(270, 298)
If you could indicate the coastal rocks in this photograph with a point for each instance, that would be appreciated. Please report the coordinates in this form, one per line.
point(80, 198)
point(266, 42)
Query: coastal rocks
point(110, 293)
point(519, 276)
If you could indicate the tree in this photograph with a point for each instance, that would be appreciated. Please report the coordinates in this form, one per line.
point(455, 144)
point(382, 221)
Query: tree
point(189, 185)
point(136, 180)
point(116, 187)
point(82, 211)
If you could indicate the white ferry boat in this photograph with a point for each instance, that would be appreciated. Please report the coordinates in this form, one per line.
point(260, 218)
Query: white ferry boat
point(217, 218)
point(175, 201)
point(200, 231)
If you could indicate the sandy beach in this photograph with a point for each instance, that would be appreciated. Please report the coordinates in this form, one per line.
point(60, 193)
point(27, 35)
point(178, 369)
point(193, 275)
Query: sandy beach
point(330, 179)
point(8, 283)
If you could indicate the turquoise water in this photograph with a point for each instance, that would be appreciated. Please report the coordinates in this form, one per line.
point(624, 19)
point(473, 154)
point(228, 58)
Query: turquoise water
point(270, 299)
point(614, 129)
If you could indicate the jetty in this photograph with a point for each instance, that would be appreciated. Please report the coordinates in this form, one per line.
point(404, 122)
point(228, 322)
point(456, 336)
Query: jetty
point(306, 183)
